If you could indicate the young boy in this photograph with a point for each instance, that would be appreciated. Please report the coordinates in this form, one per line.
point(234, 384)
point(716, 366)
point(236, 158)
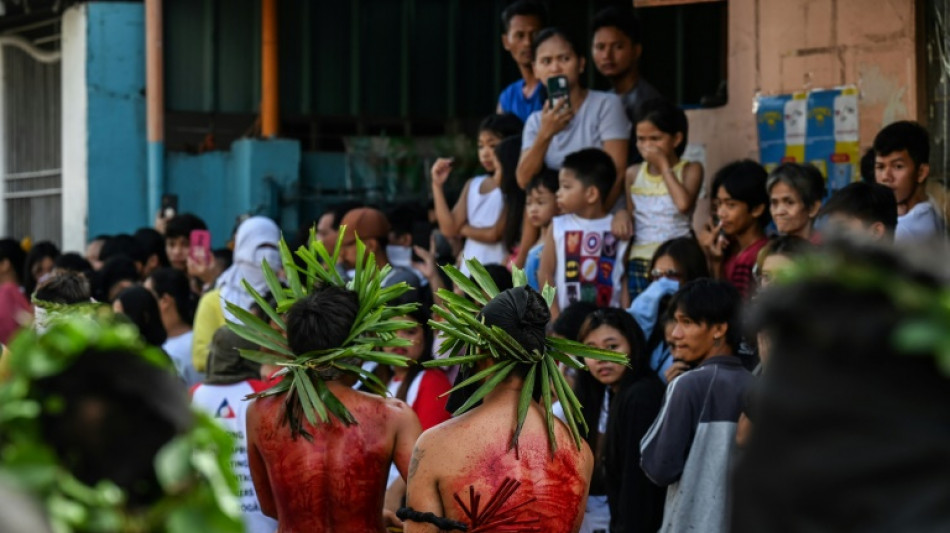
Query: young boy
point(540, 209)
point(733, 239)
point(580, 255)
point(862, 209)
point(902, 163)
point(178, 238)
point(522, 20)
point(688, 447)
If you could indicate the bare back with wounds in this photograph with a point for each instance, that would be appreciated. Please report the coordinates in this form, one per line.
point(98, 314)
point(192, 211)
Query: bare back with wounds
point(336, 482)
point(467, 459)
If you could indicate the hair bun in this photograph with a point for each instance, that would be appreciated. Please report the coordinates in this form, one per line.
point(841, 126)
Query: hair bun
point(522, 313)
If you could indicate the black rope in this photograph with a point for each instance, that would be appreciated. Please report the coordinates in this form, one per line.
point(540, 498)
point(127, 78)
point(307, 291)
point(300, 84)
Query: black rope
point(410, 514)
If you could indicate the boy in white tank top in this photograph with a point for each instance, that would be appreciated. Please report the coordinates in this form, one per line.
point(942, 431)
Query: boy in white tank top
point(582, 257)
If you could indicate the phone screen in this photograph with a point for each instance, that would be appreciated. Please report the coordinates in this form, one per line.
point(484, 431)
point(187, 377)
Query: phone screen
point(557, 90)
point(200, 246)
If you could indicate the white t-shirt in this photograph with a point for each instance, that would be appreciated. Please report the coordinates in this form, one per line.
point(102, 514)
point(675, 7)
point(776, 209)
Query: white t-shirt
point(921, 222)
point(600, 118)
point(226, 404)
point(589, 261)
point(179, 350)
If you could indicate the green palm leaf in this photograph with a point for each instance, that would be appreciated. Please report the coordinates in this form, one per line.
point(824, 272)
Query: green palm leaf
point(501, 371)
point(524, 401)
point(374, 331)
point(468, 286)
point(288, 261)
point(268, 310)
point(483, 278)
point(548, 408)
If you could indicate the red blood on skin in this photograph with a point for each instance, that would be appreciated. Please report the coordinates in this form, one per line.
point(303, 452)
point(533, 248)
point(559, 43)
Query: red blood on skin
point(554, 483)
point(334, 483)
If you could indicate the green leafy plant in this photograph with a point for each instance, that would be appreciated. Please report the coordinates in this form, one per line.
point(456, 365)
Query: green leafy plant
point(374, 329)
point(193, 469)
point(468, 340)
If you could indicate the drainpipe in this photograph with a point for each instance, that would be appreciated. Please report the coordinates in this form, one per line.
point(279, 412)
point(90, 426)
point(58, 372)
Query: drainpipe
point(155, 102)
point(270, 110)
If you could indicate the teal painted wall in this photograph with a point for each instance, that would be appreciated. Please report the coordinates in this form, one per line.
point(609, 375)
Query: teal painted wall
point(115, 78)
point(253, 177)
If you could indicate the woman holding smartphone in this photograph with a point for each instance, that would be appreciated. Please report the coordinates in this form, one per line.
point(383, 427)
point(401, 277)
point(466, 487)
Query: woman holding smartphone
point(579, 119)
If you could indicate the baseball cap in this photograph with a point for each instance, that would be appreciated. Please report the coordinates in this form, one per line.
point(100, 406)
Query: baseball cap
point(365, 222)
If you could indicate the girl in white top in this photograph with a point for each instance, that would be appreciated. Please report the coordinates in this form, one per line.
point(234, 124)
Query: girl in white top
point(479, 213)
point(662, 190)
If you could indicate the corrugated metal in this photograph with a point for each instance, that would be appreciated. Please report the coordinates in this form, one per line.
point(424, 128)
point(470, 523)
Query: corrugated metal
point(31, 177)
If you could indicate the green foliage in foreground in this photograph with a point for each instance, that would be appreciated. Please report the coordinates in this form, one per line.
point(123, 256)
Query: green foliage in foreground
point(193, 469)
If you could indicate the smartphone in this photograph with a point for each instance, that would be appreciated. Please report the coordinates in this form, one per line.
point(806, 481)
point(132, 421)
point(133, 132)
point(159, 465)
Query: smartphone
point(169, 205)
point(557, 90)
point(200, 239)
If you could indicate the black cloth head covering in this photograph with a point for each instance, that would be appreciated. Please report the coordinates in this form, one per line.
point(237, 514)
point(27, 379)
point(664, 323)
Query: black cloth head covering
point(522, 313)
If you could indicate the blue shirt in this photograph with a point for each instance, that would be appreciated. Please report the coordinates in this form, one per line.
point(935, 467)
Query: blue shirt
point(512, 100)
point(531, 265)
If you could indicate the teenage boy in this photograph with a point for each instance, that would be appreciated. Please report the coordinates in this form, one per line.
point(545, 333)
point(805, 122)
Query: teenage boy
point(862, 210)
point(688, 447)
point(178, 238)
point(902, 163)
point(616, 50)
point(581, 257)
point(732, 240)
point(521, 21)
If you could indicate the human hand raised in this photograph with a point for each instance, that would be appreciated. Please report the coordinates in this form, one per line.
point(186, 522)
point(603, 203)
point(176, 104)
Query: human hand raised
point(555, 118)
point(674, 371)
point(713, 241)
point(427, 266)
point(656, 157)
point(441, 170)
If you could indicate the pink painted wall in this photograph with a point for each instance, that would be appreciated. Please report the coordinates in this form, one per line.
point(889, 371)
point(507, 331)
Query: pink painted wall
point(783, 46)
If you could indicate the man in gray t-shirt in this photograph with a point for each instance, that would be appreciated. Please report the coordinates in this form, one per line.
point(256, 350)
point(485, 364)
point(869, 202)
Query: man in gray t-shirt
point(616, 52)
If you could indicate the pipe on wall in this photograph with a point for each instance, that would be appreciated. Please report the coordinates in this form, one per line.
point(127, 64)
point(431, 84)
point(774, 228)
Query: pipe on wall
point(155, 102)
point(270, 108)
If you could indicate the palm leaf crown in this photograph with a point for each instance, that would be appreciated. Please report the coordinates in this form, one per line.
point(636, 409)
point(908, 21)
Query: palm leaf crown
point(469, 340)
point(374, 329)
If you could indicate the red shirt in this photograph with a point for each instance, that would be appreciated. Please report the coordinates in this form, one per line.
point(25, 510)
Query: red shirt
point(737, 268)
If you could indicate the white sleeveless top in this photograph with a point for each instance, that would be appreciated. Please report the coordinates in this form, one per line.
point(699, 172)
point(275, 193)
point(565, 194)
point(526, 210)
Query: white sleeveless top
point(656, 218)
point(483, 211)
point(589, 261)
point(226, 404)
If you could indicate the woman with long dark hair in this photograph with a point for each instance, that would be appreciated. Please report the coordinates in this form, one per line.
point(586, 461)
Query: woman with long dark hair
point(620, 403)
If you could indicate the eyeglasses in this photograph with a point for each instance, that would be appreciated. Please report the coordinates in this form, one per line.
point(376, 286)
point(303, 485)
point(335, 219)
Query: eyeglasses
point(671, 274)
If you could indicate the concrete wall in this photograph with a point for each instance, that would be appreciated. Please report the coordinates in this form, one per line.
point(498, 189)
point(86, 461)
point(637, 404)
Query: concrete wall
point(253, 177)
point(782, 46)
point(115, 82)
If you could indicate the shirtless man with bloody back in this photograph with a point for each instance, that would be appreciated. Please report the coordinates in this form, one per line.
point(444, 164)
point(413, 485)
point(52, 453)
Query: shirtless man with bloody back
point(472, 451)
point(466, 470)
point(330, 476)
